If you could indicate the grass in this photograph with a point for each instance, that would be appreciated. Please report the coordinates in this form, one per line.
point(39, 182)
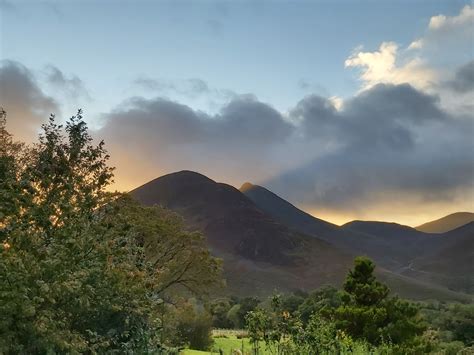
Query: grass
point(227, 341)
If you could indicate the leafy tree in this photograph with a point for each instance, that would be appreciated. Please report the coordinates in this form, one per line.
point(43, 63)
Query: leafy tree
point(247, 304)
point(368, 313)
point(322, 302)
point(194, 327)
point(291, 302)
point(83, 270)
point(219, 309)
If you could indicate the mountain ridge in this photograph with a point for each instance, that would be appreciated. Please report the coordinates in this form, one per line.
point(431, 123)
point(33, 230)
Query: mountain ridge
point(273, 245)
point(447, 223)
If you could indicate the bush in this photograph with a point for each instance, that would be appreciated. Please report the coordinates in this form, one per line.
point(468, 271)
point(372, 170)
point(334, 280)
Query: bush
point(195, 327)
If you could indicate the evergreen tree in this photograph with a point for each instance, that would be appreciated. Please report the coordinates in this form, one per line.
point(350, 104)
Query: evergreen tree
point(368, 312)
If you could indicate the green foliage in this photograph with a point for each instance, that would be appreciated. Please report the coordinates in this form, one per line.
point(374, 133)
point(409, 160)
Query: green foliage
point(361, 319)
point(368, 313)
point(322, 301)
point(219, 309)
point(453, 323)
point(83, 270)
point(194, 327)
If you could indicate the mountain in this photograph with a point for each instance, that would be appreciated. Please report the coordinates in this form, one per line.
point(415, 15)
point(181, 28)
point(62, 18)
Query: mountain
point(450, 262)
point(260, 254)
point(393, 246)
point(386, 230)
point(447, 223)
point(384, 242)
point(285, 212)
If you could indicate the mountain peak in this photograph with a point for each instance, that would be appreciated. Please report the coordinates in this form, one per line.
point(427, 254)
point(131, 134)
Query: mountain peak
point(246, 186)
point(447, 223)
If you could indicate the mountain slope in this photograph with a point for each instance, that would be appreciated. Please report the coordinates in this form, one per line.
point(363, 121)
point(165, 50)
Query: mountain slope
point(393, 246)
point(261, 253)
point(450, 261)
point(285, 212)
point(384, 242)
point(447, 223)
point(258, 252)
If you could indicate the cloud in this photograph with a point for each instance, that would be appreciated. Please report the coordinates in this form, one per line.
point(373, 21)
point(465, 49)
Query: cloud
point(417, 44)
point(26, 104)
point(463, 81)
point(162, 136)
point(72, 86)
point(387, 146)
point(393, 143)
point(447, 37)
point(385, 66)
point(448, 23)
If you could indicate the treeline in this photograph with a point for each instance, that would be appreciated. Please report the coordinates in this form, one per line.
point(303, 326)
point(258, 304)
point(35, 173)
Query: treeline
point(360, 318)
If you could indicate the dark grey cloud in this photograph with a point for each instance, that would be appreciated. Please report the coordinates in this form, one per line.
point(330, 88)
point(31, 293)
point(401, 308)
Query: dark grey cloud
point(157, 136)
point(391, 139)
point(464, 78)
point(244, 120)
point(72, 85)
point(26, 104)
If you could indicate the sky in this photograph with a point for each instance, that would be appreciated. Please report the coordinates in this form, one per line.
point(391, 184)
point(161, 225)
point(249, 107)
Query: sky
point(348, 109)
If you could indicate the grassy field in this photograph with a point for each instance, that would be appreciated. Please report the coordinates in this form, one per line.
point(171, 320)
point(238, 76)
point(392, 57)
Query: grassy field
point(227, 342)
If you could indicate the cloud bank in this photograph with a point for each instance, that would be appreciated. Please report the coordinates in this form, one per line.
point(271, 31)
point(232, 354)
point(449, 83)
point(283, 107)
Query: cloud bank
point(26, 103)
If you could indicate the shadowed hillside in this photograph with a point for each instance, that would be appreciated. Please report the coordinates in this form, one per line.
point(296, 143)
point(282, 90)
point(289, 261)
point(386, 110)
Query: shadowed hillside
point(451, 260)
point(258, 251)
point(395, 247)
point(447, 223)
point(268, 244)
point(287, 213)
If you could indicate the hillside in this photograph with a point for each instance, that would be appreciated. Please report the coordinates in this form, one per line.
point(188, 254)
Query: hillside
point(258, 252)
point(386, 243)
point(287, 213)
point(447, 223)
point(275, 246)
point(450, 262)
point(393, 246)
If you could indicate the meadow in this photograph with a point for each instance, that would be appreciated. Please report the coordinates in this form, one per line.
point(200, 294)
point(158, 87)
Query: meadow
point(226, 341)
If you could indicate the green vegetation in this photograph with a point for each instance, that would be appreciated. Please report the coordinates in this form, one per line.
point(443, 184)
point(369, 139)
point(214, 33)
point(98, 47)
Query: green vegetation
point(361, 318)
point(83, 270)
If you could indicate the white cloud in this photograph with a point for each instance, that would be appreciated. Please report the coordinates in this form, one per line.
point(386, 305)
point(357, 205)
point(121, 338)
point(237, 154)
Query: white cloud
point(417, 44)
point(383, 66)
point(442, 22)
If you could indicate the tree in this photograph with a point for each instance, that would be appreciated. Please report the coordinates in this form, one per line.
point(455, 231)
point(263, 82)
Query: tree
point(219, 309)
point(368, 313)
point(84, 270)
point(194, 327)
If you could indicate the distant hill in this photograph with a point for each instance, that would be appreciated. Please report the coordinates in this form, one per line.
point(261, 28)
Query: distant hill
point(384, 229)
point(258, 252)
point(393, 246)
point(267, 244)
point(285, 212)
point(386, 243)
point(450, 261)
point(447, 223)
